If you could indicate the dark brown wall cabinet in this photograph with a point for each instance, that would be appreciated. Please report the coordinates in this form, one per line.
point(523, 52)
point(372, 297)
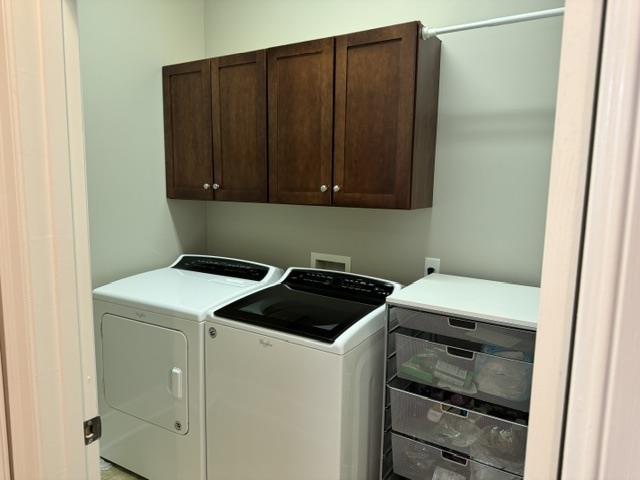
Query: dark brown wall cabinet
point(301, 122)
point(215, 128)
point(239, 127)
point(386, 96)
point(187, 130)
point(351, 121)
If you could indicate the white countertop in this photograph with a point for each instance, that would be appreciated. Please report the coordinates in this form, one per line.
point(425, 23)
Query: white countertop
point(484, 300)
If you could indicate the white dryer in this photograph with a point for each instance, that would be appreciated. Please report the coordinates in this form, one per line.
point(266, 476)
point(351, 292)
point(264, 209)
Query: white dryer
point(149, 331)
point(294, 379)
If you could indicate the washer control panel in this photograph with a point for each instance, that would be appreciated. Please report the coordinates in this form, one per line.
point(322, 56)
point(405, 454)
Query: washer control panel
point(342, 285)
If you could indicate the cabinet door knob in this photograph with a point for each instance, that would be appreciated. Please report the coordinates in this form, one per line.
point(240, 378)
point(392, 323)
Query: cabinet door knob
point(323, 188)
point(206, 186)
point(216, 186)
point(336, 188)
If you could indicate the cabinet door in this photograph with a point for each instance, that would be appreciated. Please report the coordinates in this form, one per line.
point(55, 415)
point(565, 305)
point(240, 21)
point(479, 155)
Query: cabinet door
point(239, 96)
point(375, 93)
point(187, 130)
point(301, 122)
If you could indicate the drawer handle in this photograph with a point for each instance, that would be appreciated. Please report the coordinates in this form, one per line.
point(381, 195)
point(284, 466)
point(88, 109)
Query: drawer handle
point(458, 352)
point(463, 324)
point(453, 458)
point(459, 412)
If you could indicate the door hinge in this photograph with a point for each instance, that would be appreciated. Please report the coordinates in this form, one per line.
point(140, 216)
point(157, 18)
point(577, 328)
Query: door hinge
point(92, 430)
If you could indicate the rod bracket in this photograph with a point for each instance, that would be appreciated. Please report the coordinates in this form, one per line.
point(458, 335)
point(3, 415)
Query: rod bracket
point(427, 33)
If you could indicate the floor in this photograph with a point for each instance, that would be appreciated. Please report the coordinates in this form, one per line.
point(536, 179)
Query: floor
point(109, 471)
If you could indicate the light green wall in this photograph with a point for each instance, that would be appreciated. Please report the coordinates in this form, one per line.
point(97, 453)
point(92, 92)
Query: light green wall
point(495, 129)
point(495, 126)
point(123, 45)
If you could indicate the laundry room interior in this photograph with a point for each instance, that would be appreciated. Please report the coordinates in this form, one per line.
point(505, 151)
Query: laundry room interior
point(430, 314)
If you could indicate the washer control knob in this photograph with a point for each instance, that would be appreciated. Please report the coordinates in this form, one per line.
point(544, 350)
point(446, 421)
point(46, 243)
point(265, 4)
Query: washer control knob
point(336, 188)
point(323, 188)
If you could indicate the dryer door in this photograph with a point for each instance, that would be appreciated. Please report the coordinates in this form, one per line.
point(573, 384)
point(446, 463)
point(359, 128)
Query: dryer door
point(145, 372)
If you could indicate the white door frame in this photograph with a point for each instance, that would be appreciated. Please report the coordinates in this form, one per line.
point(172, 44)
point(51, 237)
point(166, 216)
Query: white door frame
point(602, 438)
point(577, 87)
point(46, 332)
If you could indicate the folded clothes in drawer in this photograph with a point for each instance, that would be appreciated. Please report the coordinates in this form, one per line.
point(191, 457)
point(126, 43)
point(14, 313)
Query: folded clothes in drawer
point(507, 338)
point(488, 439)
point(417, 461)
point(480, 375)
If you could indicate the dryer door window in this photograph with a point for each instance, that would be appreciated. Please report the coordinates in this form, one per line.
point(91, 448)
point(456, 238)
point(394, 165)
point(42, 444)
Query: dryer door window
point(145, 372)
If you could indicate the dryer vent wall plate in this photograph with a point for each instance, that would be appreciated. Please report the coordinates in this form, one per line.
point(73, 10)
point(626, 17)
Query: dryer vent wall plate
point(327, 261)
point(431, 265)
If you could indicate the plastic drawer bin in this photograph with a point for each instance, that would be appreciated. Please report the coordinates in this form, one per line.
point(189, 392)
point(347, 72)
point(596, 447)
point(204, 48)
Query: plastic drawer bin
point(495, 379)
point(417, 461)
point(490, 440)
point(465, 329)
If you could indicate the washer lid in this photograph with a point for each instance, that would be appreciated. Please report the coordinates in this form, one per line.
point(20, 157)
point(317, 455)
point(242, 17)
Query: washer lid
point(175, 291)
point(301, 313)
point(311, 303)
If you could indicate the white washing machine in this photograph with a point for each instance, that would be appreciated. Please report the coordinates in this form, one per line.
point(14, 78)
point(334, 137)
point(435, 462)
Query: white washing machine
point(149, 347)
point(294, 379)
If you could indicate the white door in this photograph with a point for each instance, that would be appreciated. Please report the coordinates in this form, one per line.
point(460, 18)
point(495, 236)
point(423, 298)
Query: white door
point(145, 372)
point(47, 328)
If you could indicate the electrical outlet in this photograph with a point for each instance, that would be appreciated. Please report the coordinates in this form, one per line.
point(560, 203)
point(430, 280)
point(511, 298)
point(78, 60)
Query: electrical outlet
point(431, 265)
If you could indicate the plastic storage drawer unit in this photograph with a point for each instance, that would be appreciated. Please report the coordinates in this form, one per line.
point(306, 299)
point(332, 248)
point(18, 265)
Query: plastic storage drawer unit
point(418, 461)
point(488, 377)
point(488, 439)
point(459, 362)
point(463, 329)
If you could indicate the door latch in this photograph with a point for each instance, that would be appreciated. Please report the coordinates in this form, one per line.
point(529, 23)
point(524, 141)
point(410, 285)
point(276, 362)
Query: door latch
point(92, 430)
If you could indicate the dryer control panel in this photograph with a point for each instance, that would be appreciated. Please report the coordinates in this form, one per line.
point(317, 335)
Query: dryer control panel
point(222, 266)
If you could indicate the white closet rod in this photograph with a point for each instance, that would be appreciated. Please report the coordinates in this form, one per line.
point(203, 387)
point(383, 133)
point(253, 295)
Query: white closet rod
point(428, 32)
